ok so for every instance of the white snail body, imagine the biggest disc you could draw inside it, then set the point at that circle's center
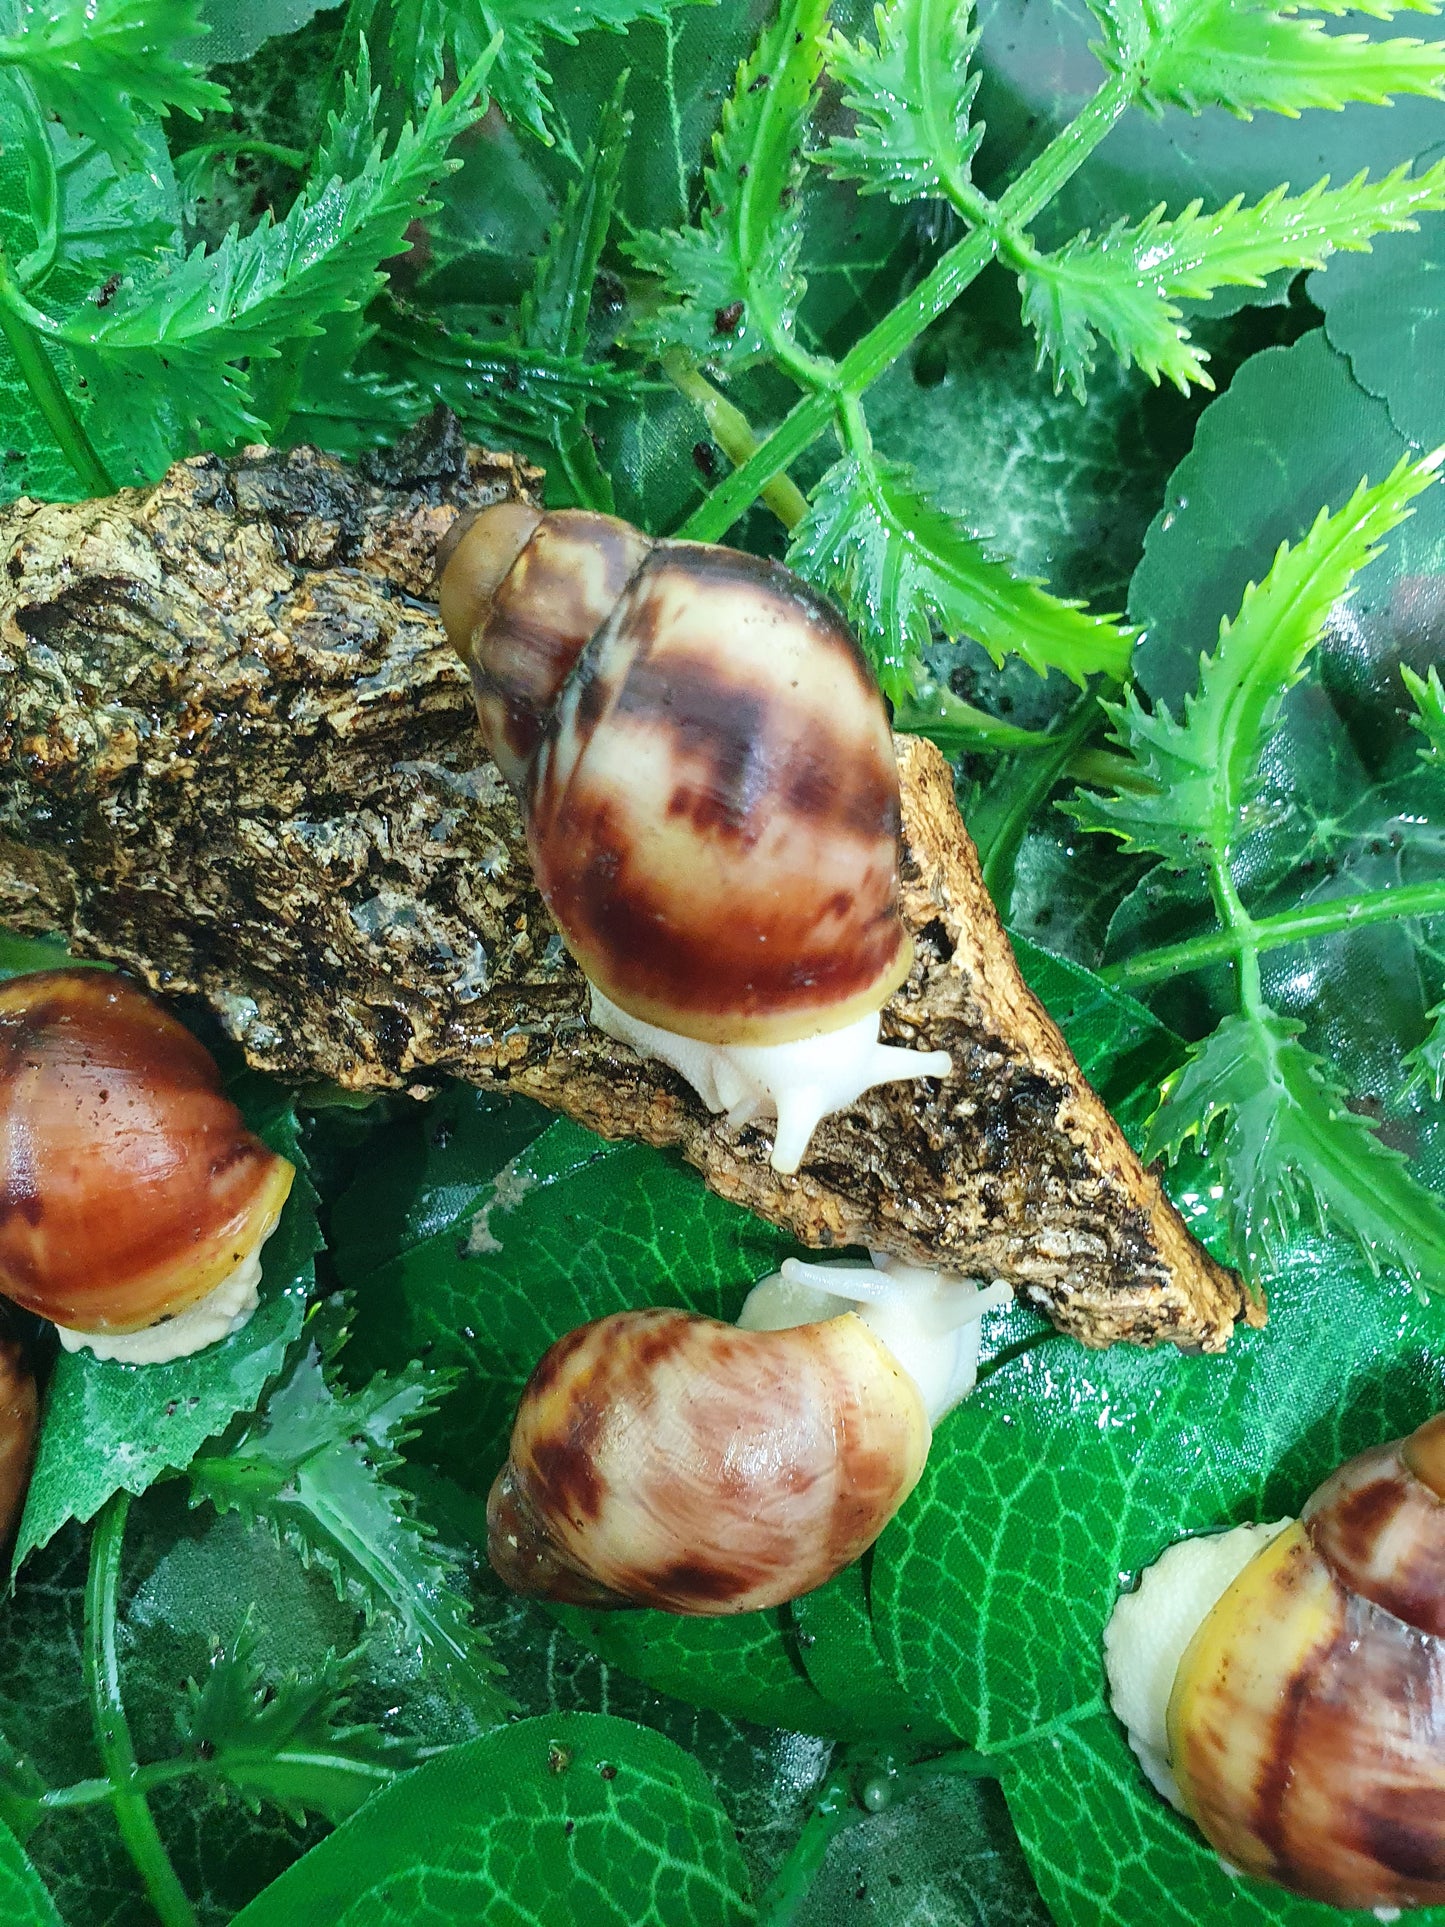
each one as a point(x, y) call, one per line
point(711, 798)
point(663, 1459)
point(1284, 1685)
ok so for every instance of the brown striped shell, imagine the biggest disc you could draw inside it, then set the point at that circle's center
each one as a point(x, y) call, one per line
point(663, 1459)
point(19, 1420)
point(1307, 1721)
point(706, 765)
point(129, 1185)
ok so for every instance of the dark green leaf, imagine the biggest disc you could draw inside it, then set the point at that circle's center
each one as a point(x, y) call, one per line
point(911, 93)
point(94, 63)
point(900, 566)
point(600, 1823)
point(313, 1464)
point(108, 1427)
point(840, 1655)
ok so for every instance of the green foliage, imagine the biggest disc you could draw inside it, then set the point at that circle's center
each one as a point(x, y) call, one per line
point(602, 1821)
point(111, 1427)
point(1263, 56)
point(167, 350)
point(23, 1896)
point(1127, 284)
point(95, 63)
point(313, 1464)
point(911, 93)
point(1197, 776)
point(1429, 718)
point(901, 567)
point(286, 1742)
point(731, 285)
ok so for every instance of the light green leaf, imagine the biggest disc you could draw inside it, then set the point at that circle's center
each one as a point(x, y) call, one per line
point(1290, 1145)
point(108, 1427)
point(1426, 1063)
point(313, 1464)
point(1429, 717)
point(94, 63)
point(286, 1741)
point(1246, 55)
point(169, 347)
point(911, 93)
point(901, 567)
point(731, 283)
point(572, 1820)
point(1198, 774)
point(1126, 285)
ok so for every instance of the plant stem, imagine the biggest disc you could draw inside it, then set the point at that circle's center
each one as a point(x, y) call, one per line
point(935, 294)
point(998, 828)
point(294, 157)
point(46, 386)
point(1290, 926)
point(734, 434)
point(112, 1731)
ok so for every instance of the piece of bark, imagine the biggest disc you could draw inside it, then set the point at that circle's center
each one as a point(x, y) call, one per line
point(239, 758)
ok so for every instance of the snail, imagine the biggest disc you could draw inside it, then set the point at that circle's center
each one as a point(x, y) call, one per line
point(1284, 1684)
point(664, 1459)
point(133, 1200)
point(711, 798)
point(19, 1419)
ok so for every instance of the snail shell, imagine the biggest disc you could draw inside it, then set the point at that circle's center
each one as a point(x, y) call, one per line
point(663, 1459)
point(132, 1196)
point(19, 1421)
point(1306, 1721)
point(710, 791)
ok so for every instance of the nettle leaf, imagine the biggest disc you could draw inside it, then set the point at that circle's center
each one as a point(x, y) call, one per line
point(287, 1741)
point(313, 1465)
point(1426, 1063)
point(602, 1823)
point(94, 63)
point(108, 1427)
point(1199, 774)
point(731, 284)
point(1429, 718)
point(1246, 55)
point(169, 347)
point(1289, 1144)
point(424, 32)
point(912, 94)
point(902, 567)
point(1126, 285)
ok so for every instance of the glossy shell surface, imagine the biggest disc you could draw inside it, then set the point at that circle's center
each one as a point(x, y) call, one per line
point(1307, 1722)
point(19, 1420)
point(708, 775)
point(681, 1463)
point(129, 1185)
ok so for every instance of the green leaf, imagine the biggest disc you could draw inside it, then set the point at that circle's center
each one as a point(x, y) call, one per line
point(168, 348)
point(573, 1817)
point(732, 284)
point(108, 1427)
point(1429, 718)
point(912, 94)
point(287, 1741)
point(1426, 1063)
point(900, 567)
point(24, 1901)
point(1289, 1145)
point(313, 1464)
point(1246, 55)
point(424, 31)
point(94, 63)
point(840, 1655)
point(1127, 284)
point(1198, 775)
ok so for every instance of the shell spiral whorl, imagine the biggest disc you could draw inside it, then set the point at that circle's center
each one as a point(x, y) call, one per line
point(711, 796)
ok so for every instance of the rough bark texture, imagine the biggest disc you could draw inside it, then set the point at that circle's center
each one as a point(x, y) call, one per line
point(239, 758)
